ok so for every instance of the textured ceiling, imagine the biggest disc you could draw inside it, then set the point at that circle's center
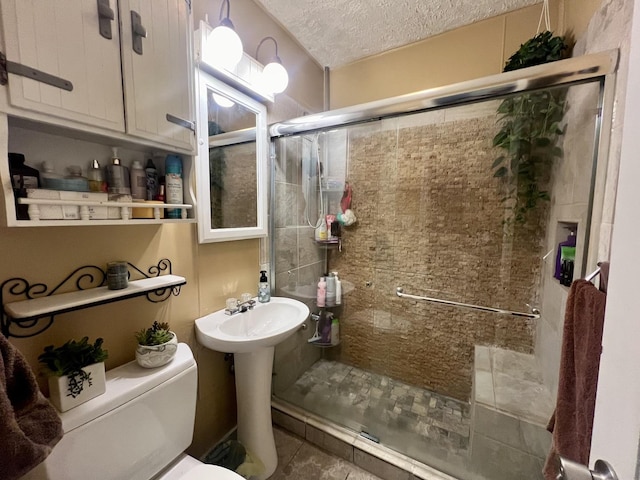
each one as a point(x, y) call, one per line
point(336, 32)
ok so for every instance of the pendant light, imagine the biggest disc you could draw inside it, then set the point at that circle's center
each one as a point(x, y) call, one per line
point(274, 76)
point(224, 47)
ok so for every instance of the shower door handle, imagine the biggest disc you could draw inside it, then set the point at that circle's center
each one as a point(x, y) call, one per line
point(570, 470)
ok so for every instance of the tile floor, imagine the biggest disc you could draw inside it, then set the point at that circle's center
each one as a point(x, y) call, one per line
point(300, 460)
point(426, 426)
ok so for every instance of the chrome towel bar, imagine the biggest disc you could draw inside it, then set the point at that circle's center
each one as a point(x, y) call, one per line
point(535, 313)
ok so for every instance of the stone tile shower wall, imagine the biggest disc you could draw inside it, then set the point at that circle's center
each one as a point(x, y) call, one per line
point(430, 220)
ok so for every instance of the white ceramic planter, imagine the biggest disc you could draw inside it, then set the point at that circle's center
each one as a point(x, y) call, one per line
point(66, 392)
point(152, 356)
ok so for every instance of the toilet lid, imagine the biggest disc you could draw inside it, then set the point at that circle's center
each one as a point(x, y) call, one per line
point(210, 472)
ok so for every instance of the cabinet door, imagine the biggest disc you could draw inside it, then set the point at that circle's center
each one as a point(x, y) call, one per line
point(62, 38)
point(158, 81)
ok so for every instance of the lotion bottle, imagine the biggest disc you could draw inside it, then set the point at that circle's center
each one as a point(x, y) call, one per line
point(338, 289)
point(322, 292)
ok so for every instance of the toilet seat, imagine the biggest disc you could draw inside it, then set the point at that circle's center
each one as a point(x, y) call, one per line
point(210, 472)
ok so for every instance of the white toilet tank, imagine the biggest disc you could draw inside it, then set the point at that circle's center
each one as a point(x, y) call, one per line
point(142, 423)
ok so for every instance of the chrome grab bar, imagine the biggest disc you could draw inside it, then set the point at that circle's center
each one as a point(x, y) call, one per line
point(535, 313)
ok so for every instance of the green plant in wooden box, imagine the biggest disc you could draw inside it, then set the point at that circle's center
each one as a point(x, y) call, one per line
point(530, 125)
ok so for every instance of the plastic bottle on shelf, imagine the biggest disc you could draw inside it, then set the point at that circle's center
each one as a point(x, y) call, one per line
point(151, 174)
point(118, 176)
point(338, 289)
point(74, 181)
point(95, 175)
point(321, 234)
point(331, 290)
point(322, 292)
point(173, 184)
point(335, 331)
point(138, 181)
point(48, 177)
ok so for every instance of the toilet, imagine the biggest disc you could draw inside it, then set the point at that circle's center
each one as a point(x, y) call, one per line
point(137, 430)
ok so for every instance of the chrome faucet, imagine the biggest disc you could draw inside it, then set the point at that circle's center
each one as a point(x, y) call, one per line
point(241, 307)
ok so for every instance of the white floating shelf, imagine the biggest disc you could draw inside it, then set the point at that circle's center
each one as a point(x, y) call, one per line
point(65, 302)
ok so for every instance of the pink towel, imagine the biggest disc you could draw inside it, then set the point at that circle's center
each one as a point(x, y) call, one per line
point(572, 421)
point(29, 425)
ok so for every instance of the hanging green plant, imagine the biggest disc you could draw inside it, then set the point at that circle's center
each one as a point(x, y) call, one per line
point(530, 125)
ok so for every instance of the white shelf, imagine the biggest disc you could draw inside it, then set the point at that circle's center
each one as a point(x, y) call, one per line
point(64, 302)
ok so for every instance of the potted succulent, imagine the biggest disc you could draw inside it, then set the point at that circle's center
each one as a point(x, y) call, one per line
point(77, 372)
point(157, 345)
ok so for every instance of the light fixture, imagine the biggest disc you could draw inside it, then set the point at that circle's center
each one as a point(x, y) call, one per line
point(222, 101)
point(274, 76)
point(224, 47)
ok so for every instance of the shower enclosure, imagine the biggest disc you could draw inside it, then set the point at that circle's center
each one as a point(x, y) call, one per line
point(440, 214)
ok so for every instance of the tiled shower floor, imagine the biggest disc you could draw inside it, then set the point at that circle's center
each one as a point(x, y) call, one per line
point(422, 424)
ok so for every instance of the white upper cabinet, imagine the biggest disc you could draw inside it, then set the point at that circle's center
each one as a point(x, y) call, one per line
point(156, 65)
point(62, 38)
point(103, 85)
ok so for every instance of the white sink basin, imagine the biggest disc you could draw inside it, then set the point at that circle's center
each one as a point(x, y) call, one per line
point(266, 325)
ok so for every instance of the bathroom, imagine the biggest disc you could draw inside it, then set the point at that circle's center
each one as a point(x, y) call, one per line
point(217, 271)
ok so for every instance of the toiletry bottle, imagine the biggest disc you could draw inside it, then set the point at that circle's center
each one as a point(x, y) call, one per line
point(569, 242)
point(322, 292)
point(173, 184)
point(335, 331)
point(95, 175)
point(49, 178)
point(325, 327)
point(75, 182)
point(331, 291)
point(151, 174)
point(118, 176)
point(138, 181)
point(338, 289)
point(321, 234)
point(264, 294)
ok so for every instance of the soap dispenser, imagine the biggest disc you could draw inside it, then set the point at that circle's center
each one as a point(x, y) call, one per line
point(264, 294)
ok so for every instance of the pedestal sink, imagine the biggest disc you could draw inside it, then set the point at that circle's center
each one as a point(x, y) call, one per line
point(252, 336)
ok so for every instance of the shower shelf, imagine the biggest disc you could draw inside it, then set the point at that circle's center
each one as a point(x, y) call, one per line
point(324, 345)
point(329, 243)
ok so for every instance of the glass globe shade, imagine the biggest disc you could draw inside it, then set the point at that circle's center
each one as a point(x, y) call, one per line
point(224, 48)
point(275, 77)
point(222, 101)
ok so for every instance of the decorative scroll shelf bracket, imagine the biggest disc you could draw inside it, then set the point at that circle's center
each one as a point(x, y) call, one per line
point(36, 313)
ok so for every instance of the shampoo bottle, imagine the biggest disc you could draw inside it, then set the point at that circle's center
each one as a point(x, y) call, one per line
point(322, 292)
point(138, 181)
point(264, 293)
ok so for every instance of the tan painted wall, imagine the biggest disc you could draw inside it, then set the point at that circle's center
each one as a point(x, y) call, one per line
point(213, 272)
point(462, 54)
point(252, 25)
